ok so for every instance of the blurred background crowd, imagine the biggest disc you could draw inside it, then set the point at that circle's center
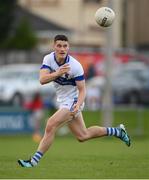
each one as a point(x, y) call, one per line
point(27, 28)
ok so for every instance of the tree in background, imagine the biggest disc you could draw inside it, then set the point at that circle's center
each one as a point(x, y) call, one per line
point(24, 36)
point(20, 37)
point(6, 18)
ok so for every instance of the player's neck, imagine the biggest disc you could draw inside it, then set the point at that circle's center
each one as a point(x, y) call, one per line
point(60, 60)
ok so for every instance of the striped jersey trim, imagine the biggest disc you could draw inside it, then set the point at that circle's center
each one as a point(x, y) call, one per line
point(64, 81)
point(79, 78)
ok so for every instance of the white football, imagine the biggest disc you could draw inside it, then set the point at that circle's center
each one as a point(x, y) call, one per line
point(104, 16)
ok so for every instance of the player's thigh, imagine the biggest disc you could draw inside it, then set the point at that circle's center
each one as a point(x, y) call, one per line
point(59, 117)
point(77, 126)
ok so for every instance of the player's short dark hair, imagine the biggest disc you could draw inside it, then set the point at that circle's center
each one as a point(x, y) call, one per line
point(60, 37)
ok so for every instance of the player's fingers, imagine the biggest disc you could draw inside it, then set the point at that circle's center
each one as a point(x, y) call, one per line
point(75, 110)
point(73, 114)
point(65, 68)
point(65, 65)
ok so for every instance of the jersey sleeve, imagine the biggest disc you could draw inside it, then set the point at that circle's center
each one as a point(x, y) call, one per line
point(46, 63)
point(79, 72)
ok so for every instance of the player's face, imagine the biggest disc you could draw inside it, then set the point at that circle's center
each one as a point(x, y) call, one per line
point(61, 49)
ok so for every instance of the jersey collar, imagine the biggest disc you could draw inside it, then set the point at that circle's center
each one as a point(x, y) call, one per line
point(66, 60)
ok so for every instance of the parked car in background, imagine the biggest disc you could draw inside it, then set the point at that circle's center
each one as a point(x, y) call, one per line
point(20, 82)
point(131, 84)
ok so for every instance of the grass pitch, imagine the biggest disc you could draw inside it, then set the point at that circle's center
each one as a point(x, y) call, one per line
point(100, 158)
point(67, 158)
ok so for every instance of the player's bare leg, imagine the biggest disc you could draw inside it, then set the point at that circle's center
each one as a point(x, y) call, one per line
point(60, 117)
point(78, 128)
point(54, 122)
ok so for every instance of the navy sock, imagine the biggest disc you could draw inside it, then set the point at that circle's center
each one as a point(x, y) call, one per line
point(36, 158)
point(112, 131)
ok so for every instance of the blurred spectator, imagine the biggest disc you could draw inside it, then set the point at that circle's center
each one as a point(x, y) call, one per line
point(36, 108)
point(93, 98)
point(90, 72)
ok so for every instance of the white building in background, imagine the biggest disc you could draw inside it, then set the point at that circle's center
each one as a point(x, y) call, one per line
point(77, 15)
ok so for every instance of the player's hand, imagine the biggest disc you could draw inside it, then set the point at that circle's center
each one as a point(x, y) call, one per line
point(63, 69)
point(76, 108)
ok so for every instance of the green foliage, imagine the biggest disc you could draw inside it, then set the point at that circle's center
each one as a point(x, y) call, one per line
point(24, 37)
point(6, 20)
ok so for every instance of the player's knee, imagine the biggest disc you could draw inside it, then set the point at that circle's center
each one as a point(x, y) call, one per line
point(50, 128)
point(82, 138)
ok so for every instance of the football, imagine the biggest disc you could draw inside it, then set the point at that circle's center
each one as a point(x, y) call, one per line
point(104, 16)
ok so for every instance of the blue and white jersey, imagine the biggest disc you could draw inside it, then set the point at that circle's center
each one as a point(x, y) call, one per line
point(65, 85)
